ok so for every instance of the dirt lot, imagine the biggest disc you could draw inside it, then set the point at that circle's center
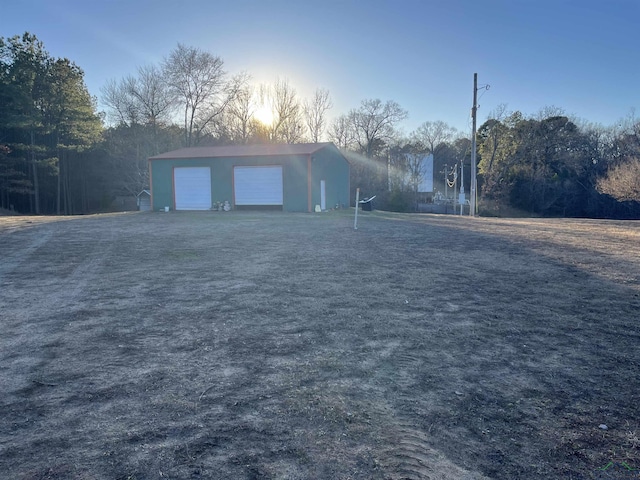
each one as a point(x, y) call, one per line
point(277, 346)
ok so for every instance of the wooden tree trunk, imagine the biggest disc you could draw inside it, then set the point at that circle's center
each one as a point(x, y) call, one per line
point(34, 167)
point(59, 186)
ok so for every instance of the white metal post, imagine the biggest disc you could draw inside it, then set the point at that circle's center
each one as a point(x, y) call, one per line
point(355, 221)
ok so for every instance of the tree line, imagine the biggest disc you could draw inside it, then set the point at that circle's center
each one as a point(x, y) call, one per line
point(59, 154)
point(48, 125)
point(555, 166)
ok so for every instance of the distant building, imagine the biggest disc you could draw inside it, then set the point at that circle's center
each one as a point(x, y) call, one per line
point(426, 181)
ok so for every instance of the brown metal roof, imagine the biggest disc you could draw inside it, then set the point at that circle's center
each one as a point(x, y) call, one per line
point(243, 151)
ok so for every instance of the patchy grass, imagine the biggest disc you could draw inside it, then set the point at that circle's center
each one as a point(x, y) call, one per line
point(269, 345)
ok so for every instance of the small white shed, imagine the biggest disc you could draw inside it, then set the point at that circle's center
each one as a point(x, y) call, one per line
point(144, 201)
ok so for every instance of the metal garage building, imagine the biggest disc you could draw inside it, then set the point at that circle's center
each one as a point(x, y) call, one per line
point(292, 178)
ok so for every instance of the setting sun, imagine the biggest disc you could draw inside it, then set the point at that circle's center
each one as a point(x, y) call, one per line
point(264, 114)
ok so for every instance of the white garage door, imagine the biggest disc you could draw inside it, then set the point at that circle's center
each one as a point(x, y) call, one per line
point(192, 188)
point(258, 185)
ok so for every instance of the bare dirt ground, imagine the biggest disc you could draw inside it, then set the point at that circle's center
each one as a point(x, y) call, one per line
point(277, 346)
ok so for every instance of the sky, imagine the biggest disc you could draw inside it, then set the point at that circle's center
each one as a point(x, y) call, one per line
point(581, 56)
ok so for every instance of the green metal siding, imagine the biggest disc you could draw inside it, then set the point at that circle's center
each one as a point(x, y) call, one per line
point(295, 184)
point(327, 164)
point(221, 180)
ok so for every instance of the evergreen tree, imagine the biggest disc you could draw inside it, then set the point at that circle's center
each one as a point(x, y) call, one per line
point(47, 121)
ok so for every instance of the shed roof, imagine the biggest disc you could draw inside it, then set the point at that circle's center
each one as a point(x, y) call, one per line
point(244, 151)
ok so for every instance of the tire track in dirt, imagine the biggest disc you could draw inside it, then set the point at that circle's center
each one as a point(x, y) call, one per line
point(85, 273)
point(67, 293)
point(57, 287)
point(35, 238)
point(412, 458)
point(410, 455)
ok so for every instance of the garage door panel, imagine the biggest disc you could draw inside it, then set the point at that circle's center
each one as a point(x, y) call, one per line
point(258, 185)
point(192, 188)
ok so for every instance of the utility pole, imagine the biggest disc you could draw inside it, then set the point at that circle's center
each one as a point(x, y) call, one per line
point(455, 186)
point(474, 180)
point(446, 194)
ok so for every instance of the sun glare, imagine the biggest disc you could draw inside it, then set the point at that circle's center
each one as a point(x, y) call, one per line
point(264, 115)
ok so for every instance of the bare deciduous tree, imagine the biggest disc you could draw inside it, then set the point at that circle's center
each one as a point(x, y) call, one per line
point(341, 133)
point(197, 78)
point(121, 104)
point(315, 113)
point(372, 127)
point(239, 121)
point(434, 134)
point(238, 118)
point(288, 122)
point(622, 182)
point(374, 124)
point(407, 169)
point(152, 94)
